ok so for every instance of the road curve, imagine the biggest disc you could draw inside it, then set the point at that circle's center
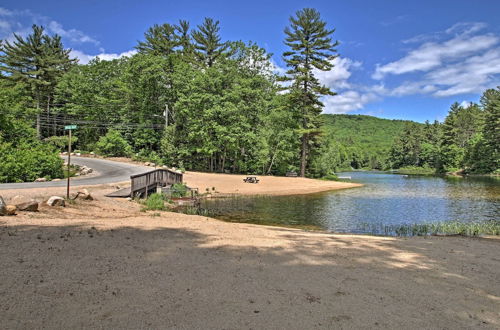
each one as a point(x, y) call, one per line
point(107, 172)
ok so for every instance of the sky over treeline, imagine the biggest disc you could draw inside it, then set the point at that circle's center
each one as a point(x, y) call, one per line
point(397, 59)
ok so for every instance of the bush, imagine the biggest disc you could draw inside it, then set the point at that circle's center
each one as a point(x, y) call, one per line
point(179, 190)
point(113, 144)
point(331, 177)
point(155, 202)
point(28, 161)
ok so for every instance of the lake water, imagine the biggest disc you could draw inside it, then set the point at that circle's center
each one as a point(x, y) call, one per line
point(384, 200)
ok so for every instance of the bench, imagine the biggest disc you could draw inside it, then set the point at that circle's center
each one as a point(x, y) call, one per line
point(292, 174)
point(251, 179)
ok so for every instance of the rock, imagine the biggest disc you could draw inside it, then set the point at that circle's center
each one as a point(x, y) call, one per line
point(64, 153)
point(19, 199)
point(3, 207)
point(129, 198)
point(77, 174)
point(56, 201)
point(41, 180)
point(85, 195)
point(10, 210)
point(31, 206)
point(56, 180)
point(147, 164)
point(92, 153)
point(78, 154)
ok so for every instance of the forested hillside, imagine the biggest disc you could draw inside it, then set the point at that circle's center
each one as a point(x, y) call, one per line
point(368, 139)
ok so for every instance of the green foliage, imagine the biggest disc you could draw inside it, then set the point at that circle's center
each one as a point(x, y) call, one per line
point(113, 144)
point(310, 48)
point(417, 170)
point(154, 202)
point(27, 161)
point(61, 142)
point(179, 190)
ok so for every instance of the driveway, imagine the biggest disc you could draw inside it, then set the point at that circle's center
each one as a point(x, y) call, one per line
point(107, 172)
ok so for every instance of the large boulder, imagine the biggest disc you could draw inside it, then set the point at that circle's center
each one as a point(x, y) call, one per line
point(56, 201)
point(85, 195)
point(18, 199)
point(3, 207)
point(41, 180)
point(23, 203)
point(10, 210)
point(31, 206)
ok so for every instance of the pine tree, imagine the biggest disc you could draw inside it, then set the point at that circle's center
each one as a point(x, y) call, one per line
point(311, 47)
point(491, 130)
point(208, 43)
point(160, 40)
point(38, 62)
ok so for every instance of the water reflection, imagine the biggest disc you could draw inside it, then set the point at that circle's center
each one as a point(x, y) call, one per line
point(386, 199)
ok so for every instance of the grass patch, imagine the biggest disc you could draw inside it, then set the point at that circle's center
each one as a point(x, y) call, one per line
point(415, 170)
point(468, 229)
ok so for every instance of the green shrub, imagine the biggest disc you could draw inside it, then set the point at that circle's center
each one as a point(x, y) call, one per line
point(179, 190)
point(29, 160)
point(155, 202)
point(331, 177)
point(113, 144)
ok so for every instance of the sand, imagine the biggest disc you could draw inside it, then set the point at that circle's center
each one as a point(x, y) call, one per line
point(104, 264)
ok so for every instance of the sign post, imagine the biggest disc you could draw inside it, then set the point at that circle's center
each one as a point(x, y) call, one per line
point(69, 128)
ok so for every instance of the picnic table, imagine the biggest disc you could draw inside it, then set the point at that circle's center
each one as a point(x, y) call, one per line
point(251, 179)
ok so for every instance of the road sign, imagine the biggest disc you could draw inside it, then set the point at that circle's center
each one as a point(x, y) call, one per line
point(70, 127)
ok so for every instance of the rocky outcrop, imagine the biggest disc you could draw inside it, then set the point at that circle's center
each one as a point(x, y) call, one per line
point(31, 206)
point(84, 195)
point(56, 201)
point(23, 203)
point(41, 180)
point(10, 210)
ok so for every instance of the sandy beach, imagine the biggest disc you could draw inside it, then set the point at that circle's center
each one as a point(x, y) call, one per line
point(105, 264)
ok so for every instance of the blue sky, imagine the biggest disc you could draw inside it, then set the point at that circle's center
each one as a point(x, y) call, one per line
point(398, 59)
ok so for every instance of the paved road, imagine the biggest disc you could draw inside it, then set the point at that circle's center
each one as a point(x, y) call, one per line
point(108, 172)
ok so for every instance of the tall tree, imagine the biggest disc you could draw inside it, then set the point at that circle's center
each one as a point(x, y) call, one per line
point(160, 40)
point(37, 61)
point(311, 47)
point(207, 42)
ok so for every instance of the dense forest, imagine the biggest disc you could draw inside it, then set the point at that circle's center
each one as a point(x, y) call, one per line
point(189, 100)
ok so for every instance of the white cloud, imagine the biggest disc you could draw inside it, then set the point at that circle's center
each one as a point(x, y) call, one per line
point(348, 101)
point(465, 104)
point(460, 62)
point(20, 22)
point(72, 34)
point(85, 58)
point(338, 77)
point(431, 55)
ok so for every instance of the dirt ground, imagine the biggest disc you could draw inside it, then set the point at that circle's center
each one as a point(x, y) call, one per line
point(104, 264)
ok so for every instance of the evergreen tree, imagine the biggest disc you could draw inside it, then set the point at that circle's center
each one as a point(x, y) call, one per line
point(160, 40)
point(37, 62)
point(207, 42)
point(491, 131)
point(311, 47)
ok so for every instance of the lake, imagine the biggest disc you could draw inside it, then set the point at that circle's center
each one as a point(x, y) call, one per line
point(384, 200)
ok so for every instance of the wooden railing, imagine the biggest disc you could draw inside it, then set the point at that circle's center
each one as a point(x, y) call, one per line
point(142, 183)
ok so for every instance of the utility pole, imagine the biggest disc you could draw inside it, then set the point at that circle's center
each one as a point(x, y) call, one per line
point(69, 128)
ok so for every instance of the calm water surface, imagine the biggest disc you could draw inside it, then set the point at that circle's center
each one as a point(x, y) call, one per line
point(386, 199)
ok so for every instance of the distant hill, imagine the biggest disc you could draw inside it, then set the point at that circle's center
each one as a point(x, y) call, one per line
point(371, 135)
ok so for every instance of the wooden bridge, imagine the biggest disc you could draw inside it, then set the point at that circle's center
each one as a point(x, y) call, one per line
point(142, 184)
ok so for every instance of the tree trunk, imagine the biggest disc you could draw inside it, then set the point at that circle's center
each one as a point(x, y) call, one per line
point(303, 158)
point(38, 119)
